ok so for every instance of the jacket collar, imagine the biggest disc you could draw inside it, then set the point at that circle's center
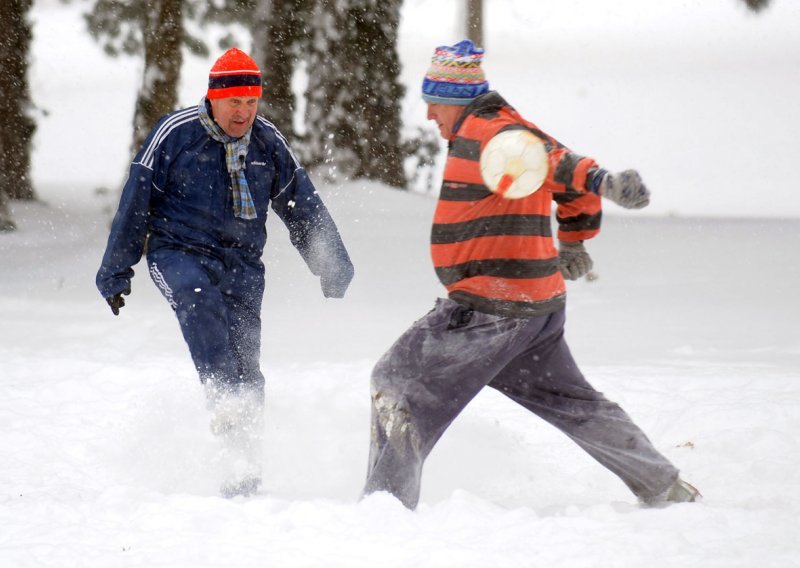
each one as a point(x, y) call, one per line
point(487, 103)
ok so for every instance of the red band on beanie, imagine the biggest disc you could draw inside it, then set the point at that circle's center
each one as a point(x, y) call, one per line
point(234, 74)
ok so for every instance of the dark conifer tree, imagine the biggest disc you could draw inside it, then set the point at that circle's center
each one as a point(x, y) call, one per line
point(280, 32)
point(16, 127)
point(155, 29)
point(354, 92)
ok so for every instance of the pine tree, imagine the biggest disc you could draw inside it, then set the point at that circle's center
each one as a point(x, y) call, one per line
point(16, 127)
point(279, 33)
point(354, 93)
point(162, 38)
point(157, 30)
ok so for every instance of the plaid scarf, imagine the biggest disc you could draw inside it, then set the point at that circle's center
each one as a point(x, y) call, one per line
point(235, 156)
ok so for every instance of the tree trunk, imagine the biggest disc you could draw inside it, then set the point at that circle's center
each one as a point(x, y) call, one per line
point(278, 30)
point(354, 93)
point(757, 5)
point(474, 23)
point(158, 94)
point(16, 126)
point(6, 220)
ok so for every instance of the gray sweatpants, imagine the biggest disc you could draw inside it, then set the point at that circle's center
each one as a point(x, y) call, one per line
point(436, 368)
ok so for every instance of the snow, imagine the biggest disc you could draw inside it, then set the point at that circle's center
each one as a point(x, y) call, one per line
point(691, 327)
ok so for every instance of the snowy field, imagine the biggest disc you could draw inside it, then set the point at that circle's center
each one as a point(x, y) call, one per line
point(692, 326)
point(108, 460)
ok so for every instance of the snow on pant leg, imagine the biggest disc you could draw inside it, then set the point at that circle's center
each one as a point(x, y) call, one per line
point(189, 283)
point(424, 381)
point(242, 288)
point(238, 408)
point(545, 380)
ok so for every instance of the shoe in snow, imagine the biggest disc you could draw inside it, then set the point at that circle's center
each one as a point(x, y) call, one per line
point(245, 487)
point(237, 420)
point(682, 492)
point(679, 492)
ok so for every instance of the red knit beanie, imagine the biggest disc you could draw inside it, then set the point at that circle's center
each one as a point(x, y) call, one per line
point(234, 74)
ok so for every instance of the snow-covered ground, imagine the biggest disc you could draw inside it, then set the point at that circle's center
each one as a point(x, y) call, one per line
point(108, 460)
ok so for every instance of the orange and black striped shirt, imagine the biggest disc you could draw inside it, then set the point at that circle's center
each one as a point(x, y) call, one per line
point(497, 255)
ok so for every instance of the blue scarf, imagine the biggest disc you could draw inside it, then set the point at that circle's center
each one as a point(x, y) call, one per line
point(235, 157)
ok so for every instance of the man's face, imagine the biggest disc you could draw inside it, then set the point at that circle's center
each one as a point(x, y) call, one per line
point(445, 117)
point(235, 114)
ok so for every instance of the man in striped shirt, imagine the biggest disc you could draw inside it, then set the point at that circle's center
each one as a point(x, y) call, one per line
point(502, 324)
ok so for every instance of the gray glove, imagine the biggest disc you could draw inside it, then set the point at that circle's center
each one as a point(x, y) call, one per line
point(335, 285)
point(573, 260)
point(625, 189)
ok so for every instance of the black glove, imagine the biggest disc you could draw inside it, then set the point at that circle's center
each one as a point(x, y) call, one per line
point(625, 189)
point(335, 285)
point(573, 260)
point(117, 301)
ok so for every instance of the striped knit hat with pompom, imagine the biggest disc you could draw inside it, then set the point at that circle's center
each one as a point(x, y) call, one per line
point(455, 76)
point(234, 74)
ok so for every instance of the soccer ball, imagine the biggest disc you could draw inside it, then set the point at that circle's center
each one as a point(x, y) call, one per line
point(514, 164)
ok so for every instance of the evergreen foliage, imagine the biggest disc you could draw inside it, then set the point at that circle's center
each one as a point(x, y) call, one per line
point(157, 30)
point(17, 126)
point(280, 33)
point(349, 48)
point(354, 92)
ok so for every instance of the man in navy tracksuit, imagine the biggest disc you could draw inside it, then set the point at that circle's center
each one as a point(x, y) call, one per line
point(198, 192)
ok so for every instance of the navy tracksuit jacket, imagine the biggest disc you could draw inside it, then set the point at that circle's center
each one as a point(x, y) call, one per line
point(207, 262)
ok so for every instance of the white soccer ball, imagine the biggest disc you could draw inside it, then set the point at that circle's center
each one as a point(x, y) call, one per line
point(514, 164)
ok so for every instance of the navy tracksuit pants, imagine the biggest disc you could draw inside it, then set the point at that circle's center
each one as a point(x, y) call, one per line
point(438, 366)
point(218, 304)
